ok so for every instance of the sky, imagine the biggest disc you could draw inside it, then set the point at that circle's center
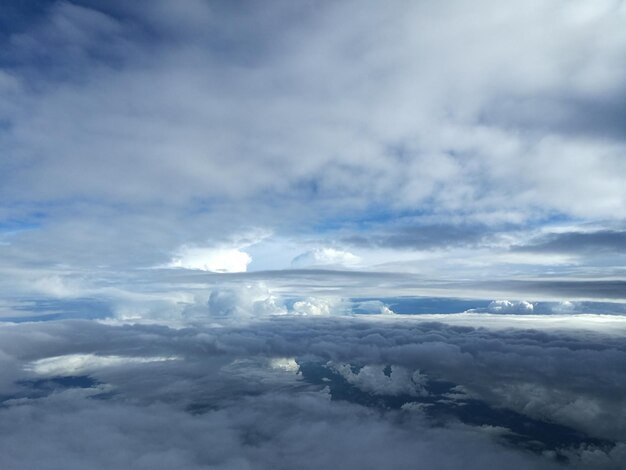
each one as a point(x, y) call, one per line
point(302, 234)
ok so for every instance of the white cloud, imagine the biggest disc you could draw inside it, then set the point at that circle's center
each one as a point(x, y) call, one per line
point(56, 286)
point(507, 306)
point(74, 364)
point(287, 364)
point(325, 257)
point(224, 260)
point(372, 306)
point(320, 306)
point(604, 324)
point(242, 301)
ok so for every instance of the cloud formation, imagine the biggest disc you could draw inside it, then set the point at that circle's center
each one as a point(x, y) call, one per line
point(506, 306)
point(232, 396)
point(325, 257)
point(167, 128)
point(222, 260)
point(140, 136)
point(601, 241)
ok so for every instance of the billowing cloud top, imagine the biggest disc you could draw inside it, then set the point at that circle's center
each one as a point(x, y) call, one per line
point(211, 259)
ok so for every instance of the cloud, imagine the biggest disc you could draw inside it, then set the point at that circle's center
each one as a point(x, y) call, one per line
point(371, 306)
point(246, 385)
point(265, 432)
point(225, 260)
point(578, 243)
point(507, 306)
point(325, 257)
point(75, 364)
point(425, 237)
point(142, 78)
point(587, 289)
point(175, 138)
point(380, 381)
point(321, 306)
point(243, 301)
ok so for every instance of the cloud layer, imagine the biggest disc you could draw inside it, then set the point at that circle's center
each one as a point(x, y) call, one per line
point(248, 397)
point(128, 133)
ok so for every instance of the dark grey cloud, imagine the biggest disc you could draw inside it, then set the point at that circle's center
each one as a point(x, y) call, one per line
point(356, 280)
point(599, 117)
point(568, 289)
point(584, 243)
point(425, 237)
point(17, 16)
point(267, 432)
point(232, 394)
point(558, 308)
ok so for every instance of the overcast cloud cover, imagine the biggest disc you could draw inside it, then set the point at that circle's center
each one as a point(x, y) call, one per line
point(312, 234)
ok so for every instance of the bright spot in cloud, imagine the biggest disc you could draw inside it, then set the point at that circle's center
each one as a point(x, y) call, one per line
point(314, 306)
point(506, 306)
point(79, 363)
point(223, 260)
point(287, 364)
point(325, 257)
point(372, 307)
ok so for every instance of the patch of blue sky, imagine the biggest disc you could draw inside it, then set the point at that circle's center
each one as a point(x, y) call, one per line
point(19, 15)
point(31, 318)
point(409, 305)
point(13, 214)
point(59, 309)
point(549, 218)
point(5, 124)
point(382, 215)
point(15, 226)
point(11, 228)
point(374, 216)
point(427, 305)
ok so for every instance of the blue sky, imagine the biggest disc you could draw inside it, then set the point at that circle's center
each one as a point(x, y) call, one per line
point(312, 234)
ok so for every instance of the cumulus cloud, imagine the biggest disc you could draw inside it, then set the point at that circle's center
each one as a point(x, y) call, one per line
point(249, 300)
point(371, 306)
point(338, 306)
point(325, 257)
point(507, 306)
point(224, 260)
point(320, 306)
